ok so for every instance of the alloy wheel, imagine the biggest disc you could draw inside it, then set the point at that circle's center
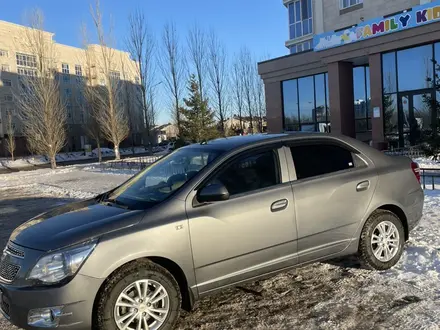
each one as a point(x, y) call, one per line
point(142, 305)
point(385, 241)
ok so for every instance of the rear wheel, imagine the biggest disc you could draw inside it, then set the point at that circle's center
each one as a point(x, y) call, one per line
point(382, 241)
point(139, 296)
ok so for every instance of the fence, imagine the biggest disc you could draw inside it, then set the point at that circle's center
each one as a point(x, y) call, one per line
point(412, 152)
point(430, 178)
point(134, 164)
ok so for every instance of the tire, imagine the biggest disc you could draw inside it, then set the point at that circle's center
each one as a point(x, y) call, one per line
point(367, 257)
point(106, 311)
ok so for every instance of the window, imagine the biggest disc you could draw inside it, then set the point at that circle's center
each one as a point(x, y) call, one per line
point(301, 47)
point(305, 104)
point(249, 173)
point(8, 98)
point(78, 70)
point(414, 68)
point(67, 92)
point(313, 160)
point(7, 82)
point(116, 75)
point(350, 3)
point(29, 61)
point(26, 72)
point(300, 18)
point(5, 68)
point(362, 98)
point(65, 68)
point(3, 53)
point(66, 78)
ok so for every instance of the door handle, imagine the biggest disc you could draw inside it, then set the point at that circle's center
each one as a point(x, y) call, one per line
point(362, 186)
point(279, 205)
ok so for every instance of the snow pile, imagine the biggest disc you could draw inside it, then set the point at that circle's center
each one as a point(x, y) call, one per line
point(427, 163)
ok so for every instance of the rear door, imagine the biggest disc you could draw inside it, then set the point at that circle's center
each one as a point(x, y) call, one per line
point(333, 185)
point(252, 233)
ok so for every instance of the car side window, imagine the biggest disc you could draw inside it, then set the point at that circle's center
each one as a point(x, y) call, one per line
point(249, 172)
point(312, 160)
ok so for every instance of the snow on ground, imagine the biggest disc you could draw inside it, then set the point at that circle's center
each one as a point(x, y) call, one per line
point(64, 157)
point(69, 181)
point(331, 295)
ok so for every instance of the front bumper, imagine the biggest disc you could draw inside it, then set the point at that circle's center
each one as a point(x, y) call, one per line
point(76, 298)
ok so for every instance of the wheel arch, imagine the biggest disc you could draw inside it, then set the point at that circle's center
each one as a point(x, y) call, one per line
point(398, 211)
point(175, 270)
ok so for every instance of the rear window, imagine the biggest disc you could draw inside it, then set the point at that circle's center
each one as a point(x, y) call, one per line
point(318, 159)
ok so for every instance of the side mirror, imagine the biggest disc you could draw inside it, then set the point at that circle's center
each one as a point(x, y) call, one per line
point(213, 193)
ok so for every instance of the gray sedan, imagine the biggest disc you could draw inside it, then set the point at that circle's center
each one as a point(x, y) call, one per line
point(203, 218)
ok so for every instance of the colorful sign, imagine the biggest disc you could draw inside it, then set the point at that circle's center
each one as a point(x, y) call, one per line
point(417, 16)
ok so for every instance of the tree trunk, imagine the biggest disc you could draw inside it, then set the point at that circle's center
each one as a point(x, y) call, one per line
point(53, 162)
point(117, 153)
point(12, 156)
point(98, 144)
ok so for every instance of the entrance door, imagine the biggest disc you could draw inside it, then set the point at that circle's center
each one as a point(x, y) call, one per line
point(415, 116)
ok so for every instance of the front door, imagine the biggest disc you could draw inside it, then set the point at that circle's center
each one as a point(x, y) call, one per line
point(415, 116)
point(251, 234)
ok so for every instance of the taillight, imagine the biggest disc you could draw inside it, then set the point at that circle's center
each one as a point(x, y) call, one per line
point(416, 170)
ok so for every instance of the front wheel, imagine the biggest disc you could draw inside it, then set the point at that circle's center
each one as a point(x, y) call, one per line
point(140, 296)
point(382, 241)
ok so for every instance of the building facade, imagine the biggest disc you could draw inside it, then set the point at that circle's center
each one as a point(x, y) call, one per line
point(16, 62)
point(370, 70)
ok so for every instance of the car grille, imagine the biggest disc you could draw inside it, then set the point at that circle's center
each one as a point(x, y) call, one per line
point(14, 251)
point(8, 271)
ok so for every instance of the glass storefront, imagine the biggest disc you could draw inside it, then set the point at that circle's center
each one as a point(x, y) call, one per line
point(362, 99)
point(306, 105)
point(410, 85)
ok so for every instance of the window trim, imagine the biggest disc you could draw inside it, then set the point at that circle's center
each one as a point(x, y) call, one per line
point(277, 148)
point(341, 4)
point(291, 164)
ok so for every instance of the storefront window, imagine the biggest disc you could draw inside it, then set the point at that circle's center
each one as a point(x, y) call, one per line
point(306, 100)
point(414, 68)
point(389, 72)
point(305, 103)
point(411, 105)
point(290, 105)
point(361, 87)
point(320, 109)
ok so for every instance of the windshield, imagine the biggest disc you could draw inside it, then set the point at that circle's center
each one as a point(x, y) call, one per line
point(163, 178)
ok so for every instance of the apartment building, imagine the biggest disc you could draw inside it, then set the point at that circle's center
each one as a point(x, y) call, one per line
point(16, 61)
point(364, 68)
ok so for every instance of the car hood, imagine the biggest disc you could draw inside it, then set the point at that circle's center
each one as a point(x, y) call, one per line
point(73, 223)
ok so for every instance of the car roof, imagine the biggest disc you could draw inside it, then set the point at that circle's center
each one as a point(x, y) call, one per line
point(234, 142)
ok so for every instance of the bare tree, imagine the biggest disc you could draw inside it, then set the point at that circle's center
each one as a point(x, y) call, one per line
point(171, 62)
point(238, 92)
point(141, 44)
point(111, 117)
point(92, 104)
point(127, 100)
point(40, 107)
point(197, 55)
point(218, 77)
point(259, 100)
point(246, 65)
point(10, 140)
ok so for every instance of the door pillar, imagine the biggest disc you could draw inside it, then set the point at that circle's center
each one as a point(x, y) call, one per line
point(376, 102)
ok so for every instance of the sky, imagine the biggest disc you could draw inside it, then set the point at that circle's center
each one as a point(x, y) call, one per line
point(261, 25)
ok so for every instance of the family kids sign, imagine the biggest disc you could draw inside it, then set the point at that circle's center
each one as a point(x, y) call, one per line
point(414, 17)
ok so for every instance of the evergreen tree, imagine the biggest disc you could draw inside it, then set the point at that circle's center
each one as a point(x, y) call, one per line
point(198, 120)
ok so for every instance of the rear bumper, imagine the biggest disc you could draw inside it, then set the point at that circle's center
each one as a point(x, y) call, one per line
point(76, 299)
point(415, 209)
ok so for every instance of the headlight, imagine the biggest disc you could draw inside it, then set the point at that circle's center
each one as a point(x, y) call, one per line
point(57, 266)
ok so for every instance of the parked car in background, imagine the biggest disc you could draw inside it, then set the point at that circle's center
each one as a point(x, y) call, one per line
point(203, 218)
